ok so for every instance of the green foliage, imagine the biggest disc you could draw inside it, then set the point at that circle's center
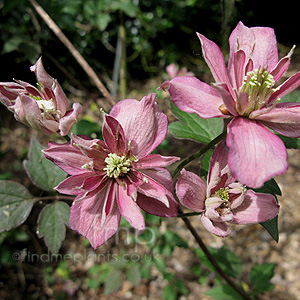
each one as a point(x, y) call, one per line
point(15, 204)
point(260, 278)
point(271, 187)
point(88, 128)
point(51, 224)
point(42, 172)
point(191, 126)
point(228, 261)
point(224, 292)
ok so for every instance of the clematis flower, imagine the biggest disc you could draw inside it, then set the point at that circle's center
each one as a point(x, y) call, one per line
point(173, 71)
point(223, 201)
point(247, 95)
point(118, 176)
point(45, 108)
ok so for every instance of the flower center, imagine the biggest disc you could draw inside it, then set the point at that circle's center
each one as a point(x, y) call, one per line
point(258, 84)
point(223, 195)
point(47, 107)
point(116, 165)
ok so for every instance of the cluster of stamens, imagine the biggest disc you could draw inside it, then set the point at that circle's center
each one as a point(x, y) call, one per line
point(258, 84)
point(116, 165)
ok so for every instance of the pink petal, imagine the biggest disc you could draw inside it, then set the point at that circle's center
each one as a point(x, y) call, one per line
point(154, 161)
point(256, 154)
point(281, 66)
point(72, 185)
point(157, 204)
point(113, 135)
point(42, 76)
point(215, 60)
point(285, 88)
point(256, 208)
point(9, 91)
point(88, 216)
point(193, 96)
point(129, 209)
point(226, 97)
point(191, 191)
point(145, 126)
point(68, 158)
point(237, 75)
point(284, 119)
point(217, 228)
point(69, 119)
point(60, 98)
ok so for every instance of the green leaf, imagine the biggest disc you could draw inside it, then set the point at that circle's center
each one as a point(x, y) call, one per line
point(224, 292)
point(102, 21)
point(191, 126)
point(271, 187)
point(42, 172)
point(113, 281)
point(228, 261)
point(51, 224)
point(260, 278)
point(15, 204)
point(160, 264)
point(272, 227)
point(291, 97)
point(85, 127)
point(169, 293)
point(134, 274)
point(290, 143)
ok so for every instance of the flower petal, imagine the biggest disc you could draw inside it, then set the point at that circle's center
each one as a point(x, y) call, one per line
point(129, 209)
point(256, 154)
point(215, 60)
point(88, 216)
point(154, 161)
point(68, 158)
point(191, 191)
point(144, 124)
point(284, 119)
point(193, 96)
point(256, 208)
point(217, 228)
point(113, 135)
point(69, 119)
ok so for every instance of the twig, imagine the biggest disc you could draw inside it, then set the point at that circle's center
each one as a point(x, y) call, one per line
point(83, 63)
point(212, 260)
point(54, 198)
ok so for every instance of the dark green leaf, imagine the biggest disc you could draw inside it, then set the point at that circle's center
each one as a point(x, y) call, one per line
point(272, 227)
point(15, 204)
point(191, 126)
point(42, 172)
point(224, 292)
point(269, 187)
point(260, 278)
point(51, 224)
point(290, 143)
point(291, 97)
point(85, 127)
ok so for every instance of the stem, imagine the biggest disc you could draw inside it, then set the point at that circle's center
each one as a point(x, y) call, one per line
point(199, 153)
point(212, 260)
point(54, 198)
point(123, 66)
point(83, 63)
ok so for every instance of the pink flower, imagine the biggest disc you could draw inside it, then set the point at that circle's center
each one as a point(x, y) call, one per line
point(248, 96)
point(173, 71)
point(224, 201)
point(44, 108)
point(119, 175)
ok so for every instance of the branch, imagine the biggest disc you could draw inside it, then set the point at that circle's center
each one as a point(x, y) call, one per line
point(83, 63)
point(212, 260)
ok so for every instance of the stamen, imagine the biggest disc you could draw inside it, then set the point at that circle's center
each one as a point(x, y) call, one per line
point(116, 165)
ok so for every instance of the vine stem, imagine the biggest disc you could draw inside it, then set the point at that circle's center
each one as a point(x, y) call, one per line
point(76, 54)
point(190, 227)
point(56, 198)
point(197, 154)
point(212, 260)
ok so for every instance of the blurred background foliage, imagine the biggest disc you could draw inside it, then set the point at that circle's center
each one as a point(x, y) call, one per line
point(158, 32)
